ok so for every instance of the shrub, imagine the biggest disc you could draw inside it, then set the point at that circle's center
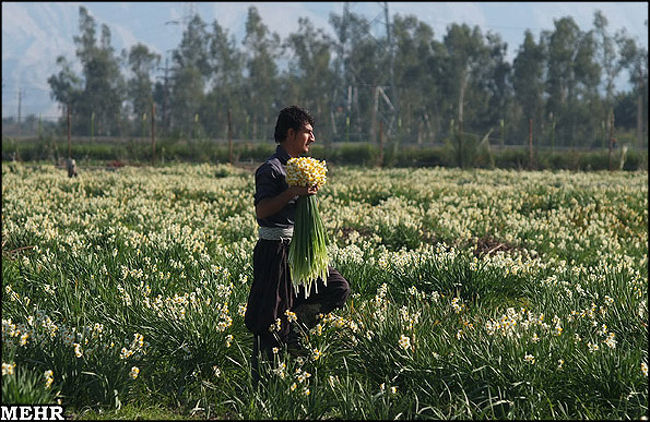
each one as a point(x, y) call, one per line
point(395, 154)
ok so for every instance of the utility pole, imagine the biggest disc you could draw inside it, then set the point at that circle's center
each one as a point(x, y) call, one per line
point(69, 133)
point(385, 88)
point(153, 133)
point(229, 137)
point(189, 9)
point(611, 140)
point(530, 143)
point(165, 89)
point(20, 96)
point(165, 96)
point(391, 70)
point(460, 141)
point(381, 144)
point(70, 164)
point(190, 12)
point(373, 115)
point(348, 101)
point(343, 93)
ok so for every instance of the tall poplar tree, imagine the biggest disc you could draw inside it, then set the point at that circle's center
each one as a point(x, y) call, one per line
point(100, 104)
point(528, 83)
point(262, 48)
point(572, 78)
point(66, 86)
point(189, 73)
point(417, 76)
point(635, 59)
point(142, 63)
point(465, 57)
point(226, 63)
point(311, 71)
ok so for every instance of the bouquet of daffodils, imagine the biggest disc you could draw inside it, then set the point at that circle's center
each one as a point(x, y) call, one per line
point(308, 248)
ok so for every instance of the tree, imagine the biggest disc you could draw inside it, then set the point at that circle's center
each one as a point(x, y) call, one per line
point(262, 49)
point(586, 110)
point(528, 82)
point(140, 87)
point(607, 54)
point(309, 66)
point(625, 110)
point(635, 60)
point(465, 54)
point(360, 57)
point(226, 64)
point(417, 72)
point(493, 84)
point(101, 101)
point(573, 79)
point(189, 74)
point(562, 46)
point(342, 90)
point(66, 86)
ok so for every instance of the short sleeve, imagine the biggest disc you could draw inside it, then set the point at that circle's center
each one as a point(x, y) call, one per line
point(267, 183)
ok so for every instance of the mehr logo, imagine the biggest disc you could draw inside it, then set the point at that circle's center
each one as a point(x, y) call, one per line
point(32, 413)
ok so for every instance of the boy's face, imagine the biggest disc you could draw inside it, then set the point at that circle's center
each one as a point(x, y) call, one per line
point(298, 142)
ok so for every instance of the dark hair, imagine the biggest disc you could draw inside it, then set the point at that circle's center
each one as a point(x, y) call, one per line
point(292, 117)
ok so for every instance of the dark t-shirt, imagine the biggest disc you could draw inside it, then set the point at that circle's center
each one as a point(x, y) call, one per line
point(270, 181)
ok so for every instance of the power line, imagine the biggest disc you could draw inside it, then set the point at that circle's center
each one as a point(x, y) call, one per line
point(20, 97)
point(25, 88)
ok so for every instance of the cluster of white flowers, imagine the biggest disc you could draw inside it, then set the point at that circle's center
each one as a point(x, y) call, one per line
point(8, 368)
point(136, 348)
point(49, 378)
point(384, 390)
point(408, 319)
point(456, 306)
point(135, 371)
point(405, 342)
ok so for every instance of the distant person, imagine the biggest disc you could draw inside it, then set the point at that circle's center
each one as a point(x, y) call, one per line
point(272, 292)
point(71, 164)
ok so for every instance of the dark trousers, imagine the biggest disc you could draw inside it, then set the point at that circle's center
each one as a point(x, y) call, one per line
point(272, 293)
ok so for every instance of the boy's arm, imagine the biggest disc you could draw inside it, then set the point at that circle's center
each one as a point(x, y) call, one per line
point(270, 206)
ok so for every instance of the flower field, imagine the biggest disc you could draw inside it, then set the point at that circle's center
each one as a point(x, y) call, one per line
point(477, 294)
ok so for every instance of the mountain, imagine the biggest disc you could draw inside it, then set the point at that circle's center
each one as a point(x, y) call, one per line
point(34, 34)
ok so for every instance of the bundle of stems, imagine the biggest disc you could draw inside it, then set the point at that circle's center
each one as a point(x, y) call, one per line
point(308, 250)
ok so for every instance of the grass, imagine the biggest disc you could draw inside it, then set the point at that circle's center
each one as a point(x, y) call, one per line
point(477, 294)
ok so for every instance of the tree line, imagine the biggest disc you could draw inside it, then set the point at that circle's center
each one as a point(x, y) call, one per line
point(405, 86)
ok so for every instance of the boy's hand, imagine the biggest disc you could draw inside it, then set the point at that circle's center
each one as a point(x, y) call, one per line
point(303, 190)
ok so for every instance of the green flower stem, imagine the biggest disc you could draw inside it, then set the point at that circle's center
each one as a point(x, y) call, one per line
point(308, 250)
